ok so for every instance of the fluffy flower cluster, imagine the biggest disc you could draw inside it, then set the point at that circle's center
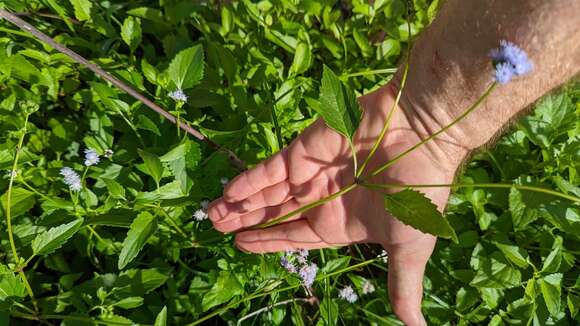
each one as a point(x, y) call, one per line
point(297, 262)
point(201, 214)
point(510, 61)
point(383, 256)
point(178, 95)
point(348, 294)
point(108, 153)
point(91, 157)
point(368, 287)
point(71, 178)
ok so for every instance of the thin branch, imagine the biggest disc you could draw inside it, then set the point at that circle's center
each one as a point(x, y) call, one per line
point(108, 77)
point(271, 306)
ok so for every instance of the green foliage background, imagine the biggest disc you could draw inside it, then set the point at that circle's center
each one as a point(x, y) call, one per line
point(128, 246)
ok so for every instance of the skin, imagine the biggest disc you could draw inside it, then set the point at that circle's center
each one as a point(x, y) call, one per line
point(450, 69)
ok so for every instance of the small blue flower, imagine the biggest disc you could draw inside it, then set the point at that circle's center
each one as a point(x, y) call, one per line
point(71, 178)
point(287, 264)
point(91, 157)
point(348, 294)
point(178, 95)
point(308, 274)
point(510, 61)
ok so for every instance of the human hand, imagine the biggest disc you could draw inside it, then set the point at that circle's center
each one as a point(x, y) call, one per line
point(319, 163)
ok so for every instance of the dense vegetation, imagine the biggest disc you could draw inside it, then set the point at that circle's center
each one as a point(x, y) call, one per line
point(133, 245)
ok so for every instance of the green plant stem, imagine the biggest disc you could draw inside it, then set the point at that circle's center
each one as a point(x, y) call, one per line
point(442, 130)
point(476, 185)
point(67, 317)
point(387, 122)
point(9, 215)
point(371, 72)
point(306, 207)
point(291, 287)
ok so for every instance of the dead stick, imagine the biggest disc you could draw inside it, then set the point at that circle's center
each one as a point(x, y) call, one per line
point(107, 76)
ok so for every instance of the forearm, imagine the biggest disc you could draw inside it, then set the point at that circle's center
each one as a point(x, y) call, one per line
point(450, 66)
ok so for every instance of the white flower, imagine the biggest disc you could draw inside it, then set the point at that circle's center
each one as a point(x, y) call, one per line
point(12, 173)
point(71, 178)
point(368, 287)
point(200, 215)
point(91, 157)
point(383, 256)
point(178, 95)
point(348, 294)
point(224, 181)
point(108, 153)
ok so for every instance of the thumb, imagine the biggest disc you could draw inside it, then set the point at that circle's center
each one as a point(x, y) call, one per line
point(406, 270)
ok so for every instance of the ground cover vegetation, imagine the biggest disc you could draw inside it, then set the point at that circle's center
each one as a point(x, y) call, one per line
point(104, 201)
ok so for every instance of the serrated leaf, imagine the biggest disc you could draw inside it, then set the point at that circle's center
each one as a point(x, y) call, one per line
point(226, 287)
point(141, 229)
point(153, 165)
point(515, 254)
point(414, 209)
point(338, 105)
point(554, 259)
point(21, 201)
point(186, 69)
point(131, 32)
point(82, 9)
point(551, 287)
point(54, 238)
point(116, 190)
point(161, 319)
point(11, 285)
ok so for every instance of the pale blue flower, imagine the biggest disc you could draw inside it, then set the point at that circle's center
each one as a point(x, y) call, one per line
point(308, 274)
point(503, 73)
point(348, 294)
point(91, 157)
point(287, 264)
point(71, 179)
point(510, 61)
point(178, 95)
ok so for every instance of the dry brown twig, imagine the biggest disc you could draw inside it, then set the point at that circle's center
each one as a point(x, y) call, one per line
point(23, 25)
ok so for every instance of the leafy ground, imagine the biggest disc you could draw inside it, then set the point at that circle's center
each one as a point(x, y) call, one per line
point(132, 247)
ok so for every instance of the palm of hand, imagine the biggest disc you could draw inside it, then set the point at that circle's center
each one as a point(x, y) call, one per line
point(319, 163)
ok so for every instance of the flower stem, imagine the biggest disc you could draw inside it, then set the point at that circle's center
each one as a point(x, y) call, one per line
point(476, 185)
point(442, 130)
point(306, 207)
point(371, 72)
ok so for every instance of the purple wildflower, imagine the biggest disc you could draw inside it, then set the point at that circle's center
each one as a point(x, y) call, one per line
point(308, 274)
point(348, 294)
point(178, 95)
point(510, 61)
point(91, 157)
point(71, 178)
point(287, 264)
point(302, 256)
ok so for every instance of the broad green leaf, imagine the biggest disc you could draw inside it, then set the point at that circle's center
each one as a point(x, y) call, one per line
point(153, 165)
point(225, 288)
point(302, 58)
point(11, 285)
point(186, 69)
point(521, 216)
point(82, 9)
point(414, 209)
point(335, 264)
point(141, 229)
point(129, 303)
point(328, 312)
point(551, 287)
point(21, 201)
point(338, 105)
point(131, 32)
point(495, 272)
point(554, 259)
point(54, 238)
point(116, 190)
point(514, 254)
point(151, 14)
point(161, 319)
point(573, 302)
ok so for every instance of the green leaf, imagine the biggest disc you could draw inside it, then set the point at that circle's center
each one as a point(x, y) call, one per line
point(495, 272)
point(161, 319)
point(141, 229)
point(129, 303)
point(82, 9)
point(21, 201)
point(338, 105)
point(554, 259)
point(153, 165)
point(328, 311)
point(514, 254)
point(116, 190)
point(414, 209)
point(551, 287)
point(186, 69)
point(573, 304)
point(226, 287)
point(54, 238)
point(131, 32)
point(11, 285)
point(302, 58)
